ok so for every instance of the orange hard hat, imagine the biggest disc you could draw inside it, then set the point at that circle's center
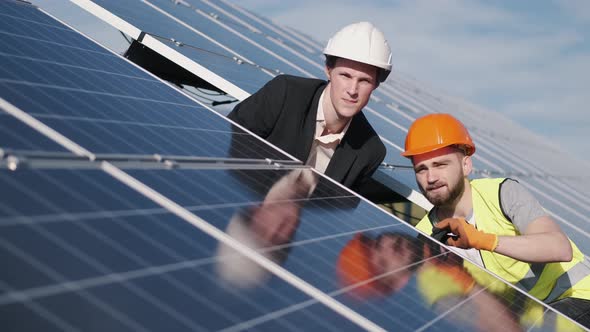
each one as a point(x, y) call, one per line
point(434, 131)
point(354, 267)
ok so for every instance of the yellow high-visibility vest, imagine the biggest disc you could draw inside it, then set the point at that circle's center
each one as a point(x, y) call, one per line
point(546, 281)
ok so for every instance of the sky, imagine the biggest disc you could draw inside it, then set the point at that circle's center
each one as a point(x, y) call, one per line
point(529, 60)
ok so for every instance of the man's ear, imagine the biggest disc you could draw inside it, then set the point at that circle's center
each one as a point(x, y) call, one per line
point(328, 72)
point(467, 165)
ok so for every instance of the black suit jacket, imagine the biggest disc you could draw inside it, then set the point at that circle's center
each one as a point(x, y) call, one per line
point(284, 113)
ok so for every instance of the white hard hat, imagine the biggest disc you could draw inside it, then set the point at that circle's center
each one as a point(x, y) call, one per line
point(362, 42)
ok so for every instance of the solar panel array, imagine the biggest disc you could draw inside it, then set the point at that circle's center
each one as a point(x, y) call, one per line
point(504, 149)
point(130, 206)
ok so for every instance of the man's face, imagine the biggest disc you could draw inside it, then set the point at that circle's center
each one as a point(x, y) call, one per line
point(351, 84)
point(440, 175)
point(391, 255)
point(275, 223)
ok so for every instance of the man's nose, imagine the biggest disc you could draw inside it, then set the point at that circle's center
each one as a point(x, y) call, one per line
point(431, 176)
point(353, 88)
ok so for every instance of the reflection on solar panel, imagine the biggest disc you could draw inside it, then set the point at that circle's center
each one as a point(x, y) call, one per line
point(95, 255)
point(87, 252)
point(220, 237)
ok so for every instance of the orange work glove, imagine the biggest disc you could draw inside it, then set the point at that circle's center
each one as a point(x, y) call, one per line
point(467, 236)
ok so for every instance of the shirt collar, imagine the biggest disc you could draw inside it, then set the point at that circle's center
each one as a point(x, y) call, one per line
point(320, 118)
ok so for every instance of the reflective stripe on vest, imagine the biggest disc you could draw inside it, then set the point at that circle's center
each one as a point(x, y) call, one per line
point(569, 279)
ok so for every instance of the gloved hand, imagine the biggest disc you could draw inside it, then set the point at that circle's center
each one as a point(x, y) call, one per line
point(467, 236)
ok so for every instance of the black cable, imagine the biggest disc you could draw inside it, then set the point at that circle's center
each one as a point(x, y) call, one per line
point(232, 58)
point(222, 102)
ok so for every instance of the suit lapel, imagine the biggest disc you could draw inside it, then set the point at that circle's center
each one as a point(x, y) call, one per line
point(341, 161)
point(345, 154)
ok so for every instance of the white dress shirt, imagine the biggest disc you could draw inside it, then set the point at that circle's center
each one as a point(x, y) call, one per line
point(324, 144)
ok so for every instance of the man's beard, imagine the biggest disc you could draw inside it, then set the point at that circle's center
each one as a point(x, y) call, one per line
point(447, 198)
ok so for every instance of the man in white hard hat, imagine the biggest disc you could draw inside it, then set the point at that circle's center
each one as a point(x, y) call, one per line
point(320, 122)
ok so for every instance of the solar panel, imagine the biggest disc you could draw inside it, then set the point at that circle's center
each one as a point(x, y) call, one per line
point(93, 253)
point(326, 224)
point(180, 42)
point(263, 51)
point(393, 135)
point(95, 98)
point(141, 245)
point(17, 136)
point(265, 27)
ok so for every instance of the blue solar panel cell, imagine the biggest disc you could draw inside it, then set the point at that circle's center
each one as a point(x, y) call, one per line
point(23, 11)
point(407, 177)
point(15, 135)
point(388, 127)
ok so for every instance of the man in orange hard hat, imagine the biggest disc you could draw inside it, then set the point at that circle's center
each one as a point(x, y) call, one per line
point(320, 122)
point(495, 222)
